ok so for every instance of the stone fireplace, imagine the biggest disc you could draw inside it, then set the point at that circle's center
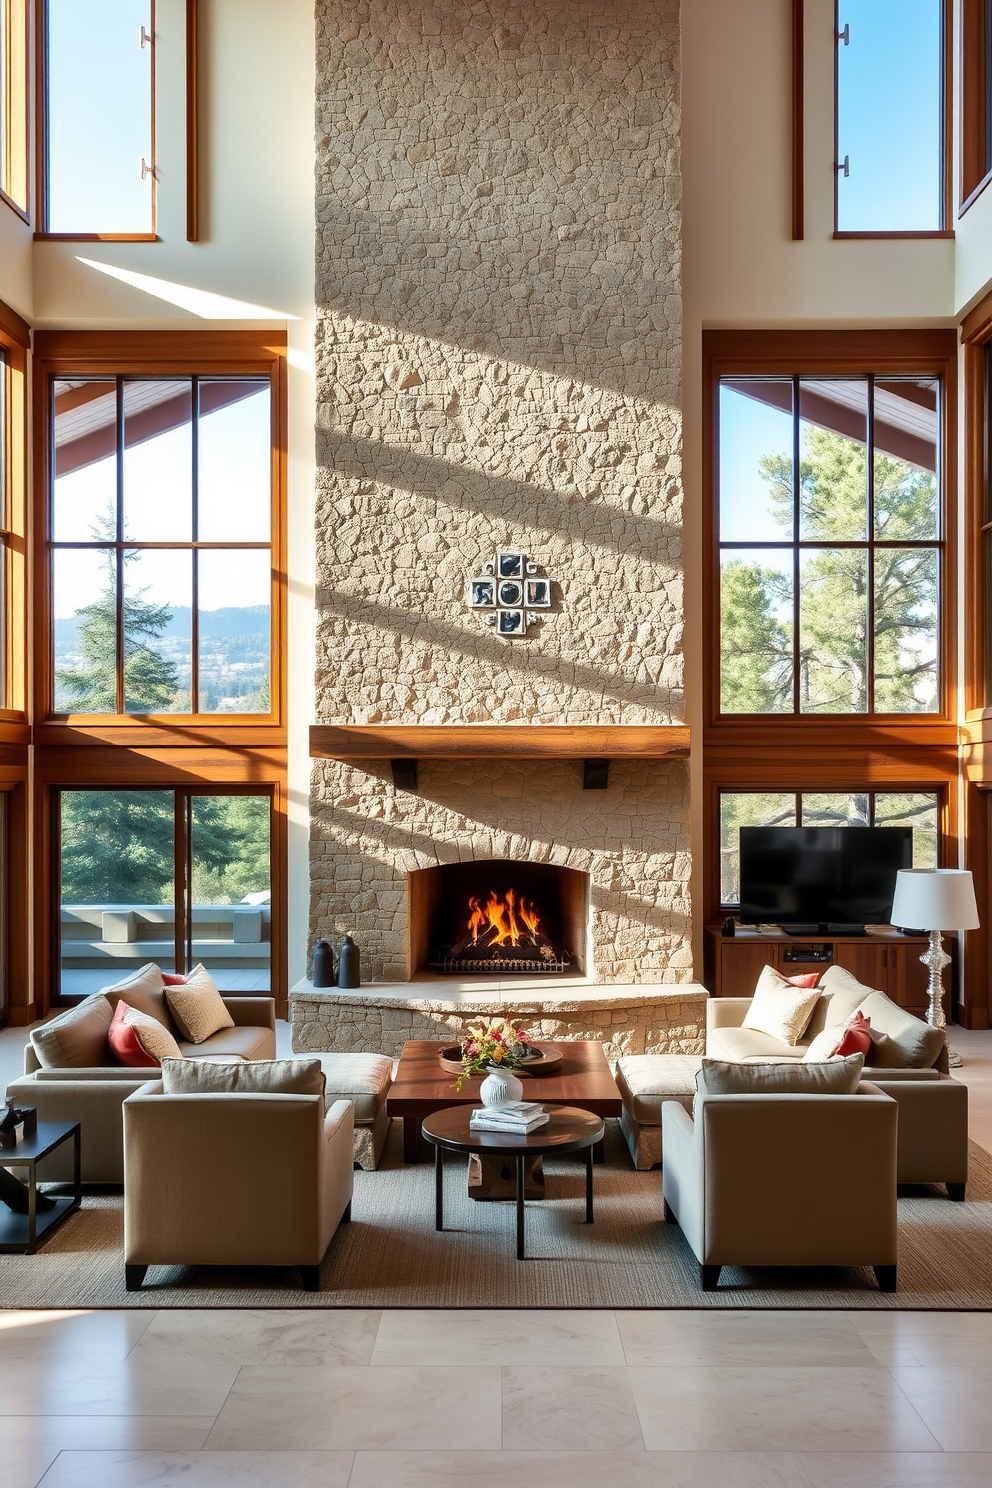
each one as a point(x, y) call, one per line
point(498, 368)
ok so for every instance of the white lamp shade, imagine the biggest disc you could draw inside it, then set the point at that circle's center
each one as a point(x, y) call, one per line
point(935, 899)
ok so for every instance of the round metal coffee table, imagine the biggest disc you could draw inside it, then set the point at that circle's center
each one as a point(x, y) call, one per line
point(569, 1130)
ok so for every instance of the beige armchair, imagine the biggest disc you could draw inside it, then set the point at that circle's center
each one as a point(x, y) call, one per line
point(234, 1180)
point(784, 1180)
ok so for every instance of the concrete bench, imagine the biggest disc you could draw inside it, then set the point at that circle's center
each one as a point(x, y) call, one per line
point(644, 1081)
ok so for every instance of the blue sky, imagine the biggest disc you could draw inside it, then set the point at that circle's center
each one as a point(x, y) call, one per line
point(889, 115)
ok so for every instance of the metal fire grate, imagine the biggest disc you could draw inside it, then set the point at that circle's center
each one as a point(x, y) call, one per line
point(493, 965)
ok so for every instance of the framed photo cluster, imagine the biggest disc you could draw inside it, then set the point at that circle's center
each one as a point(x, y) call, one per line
point(508, 592)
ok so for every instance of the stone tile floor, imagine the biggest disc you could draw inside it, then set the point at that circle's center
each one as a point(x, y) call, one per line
point(433, 1399)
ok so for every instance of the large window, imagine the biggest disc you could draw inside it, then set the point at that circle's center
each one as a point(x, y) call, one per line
point(917, 809)
point(99, 91)
point(171, 876)
point(161, 545)
point(830, 544)
point(14, 103)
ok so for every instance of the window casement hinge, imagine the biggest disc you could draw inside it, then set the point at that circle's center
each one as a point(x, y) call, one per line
point(844, 36)
point(844, 166)
point(148, 170)
point(146, 38)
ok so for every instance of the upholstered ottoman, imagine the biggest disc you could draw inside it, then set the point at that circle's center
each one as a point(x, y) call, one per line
point(644, 1081)
point(363, 1079)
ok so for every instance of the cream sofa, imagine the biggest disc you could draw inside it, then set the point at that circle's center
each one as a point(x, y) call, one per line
point(234, 1179)
point(784, 1180)
point(93, 1093)
point(933, 1107)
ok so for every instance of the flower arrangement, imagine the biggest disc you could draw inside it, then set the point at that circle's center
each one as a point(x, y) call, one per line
point(493, 1044)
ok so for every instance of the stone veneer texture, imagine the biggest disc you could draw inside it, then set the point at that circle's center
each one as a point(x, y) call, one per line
point(498, 364)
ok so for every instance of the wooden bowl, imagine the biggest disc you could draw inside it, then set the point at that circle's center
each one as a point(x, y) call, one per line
point(547, 1060)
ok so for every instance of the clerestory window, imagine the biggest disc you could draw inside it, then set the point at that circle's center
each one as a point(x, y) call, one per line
point(830, 538)
point(99, 105)
point(890, 120)
point(14, 103)
point(976, 98)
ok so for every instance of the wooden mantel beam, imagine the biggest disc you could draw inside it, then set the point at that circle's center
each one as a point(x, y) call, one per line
point(355, 741)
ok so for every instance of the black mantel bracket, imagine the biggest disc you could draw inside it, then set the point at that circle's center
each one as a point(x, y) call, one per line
point(595, 774)
point(404, 774)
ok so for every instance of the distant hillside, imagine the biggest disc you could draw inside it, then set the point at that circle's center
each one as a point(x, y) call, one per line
point(234, 621)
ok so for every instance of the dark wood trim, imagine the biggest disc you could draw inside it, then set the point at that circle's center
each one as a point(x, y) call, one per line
point(973, 1009)
point(798, 121)
point(21, 212)
point(975, 174)
point(51, 237)
point(17, 899)
point(977, 324)
point(496, 741)
point(115, 765)
point(13, 327)
point(974, 476)
point(192, 122)
point(15, 96)
point(14, 539)
point(935, 232)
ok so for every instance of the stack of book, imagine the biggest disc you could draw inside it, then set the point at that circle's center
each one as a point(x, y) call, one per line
point(514, 1117)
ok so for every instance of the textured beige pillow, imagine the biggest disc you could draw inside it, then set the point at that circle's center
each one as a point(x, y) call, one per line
point(144, 990)
point(245, 1077)
point(783, 1077)
point(156, 1041)
point(911, 1043)
point(197, 1006)
point(779, 1009)
point(76, 1039)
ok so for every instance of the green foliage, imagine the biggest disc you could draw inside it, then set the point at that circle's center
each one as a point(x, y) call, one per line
point(230, 848)
point(150, 681)
point(834, 590)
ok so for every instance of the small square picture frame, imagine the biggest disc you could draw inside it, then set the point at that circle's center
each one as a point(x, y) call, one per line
point(511, 623)
point(537, 594)
point(481, 594)
point(510, 565)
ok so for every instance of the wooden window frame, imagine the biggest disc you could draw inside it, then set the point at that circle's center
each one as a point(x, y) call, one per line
point(14, 341)
point(976, 337)
point(161, 353)
point(197, 771)
point(15, 99)
point(975, 104)
point(41, 138)
point(947, 141)
point(812, 354)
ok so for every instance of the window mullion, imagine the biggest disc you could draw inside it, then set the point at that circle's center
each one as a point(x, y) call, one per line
point(870, 552)
point(119, 552)
point(194, 661)
point(796, 653)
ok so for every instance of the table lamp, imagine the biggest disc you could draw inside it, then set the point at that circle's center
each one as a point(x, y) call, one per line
point(935, 899)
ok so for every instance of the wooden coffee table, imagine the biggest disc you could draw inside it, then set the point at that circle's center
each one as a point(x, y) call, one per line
point(569, 1130)
point(421, 1087)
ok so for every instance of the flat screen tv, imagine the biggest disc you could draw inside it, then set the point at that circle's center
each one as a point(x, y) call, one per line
point(821, 877)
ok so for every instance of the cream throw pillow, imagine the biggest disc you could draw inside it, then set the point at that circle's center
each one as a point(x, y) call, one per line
point(247, 1077)
point(156, 1041)
point(76, 1039)
point(197, 1006)
point(826, 1044)
point(779, 1009)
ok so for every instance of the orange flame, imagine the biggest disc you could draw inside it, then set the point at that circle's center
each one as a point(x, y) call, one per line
point(497, 922)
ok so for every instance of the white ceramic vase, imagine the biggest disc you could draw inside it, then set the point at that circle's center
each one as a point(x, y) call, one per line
point(500, 1085)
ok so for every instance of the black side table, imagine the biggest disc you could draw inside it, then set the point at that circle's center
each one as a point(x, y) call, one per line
point(569, 1130)
point(21, 1234)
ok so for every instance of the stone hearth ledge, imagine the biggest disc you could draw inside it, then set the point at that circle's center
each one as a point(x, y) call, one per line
point(379, 1017)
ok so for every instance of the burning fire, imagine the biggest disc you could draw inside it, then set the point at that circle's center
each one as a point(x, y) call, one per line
point(502, 921)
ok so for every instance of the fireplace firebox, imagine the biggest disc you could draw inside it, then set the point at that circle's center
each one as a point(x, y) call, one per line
point(498, 918)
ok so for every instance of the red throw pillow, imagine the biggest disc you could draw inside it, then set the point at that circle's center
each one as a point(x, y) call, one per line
point(125, 1044)
point(878, 1038)
point(805, 979)
point(857, 1039)
point(171, 980)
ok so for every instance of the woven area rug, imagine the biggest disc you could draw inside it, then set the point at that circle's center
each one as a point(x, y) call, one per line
point(391, 1255)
